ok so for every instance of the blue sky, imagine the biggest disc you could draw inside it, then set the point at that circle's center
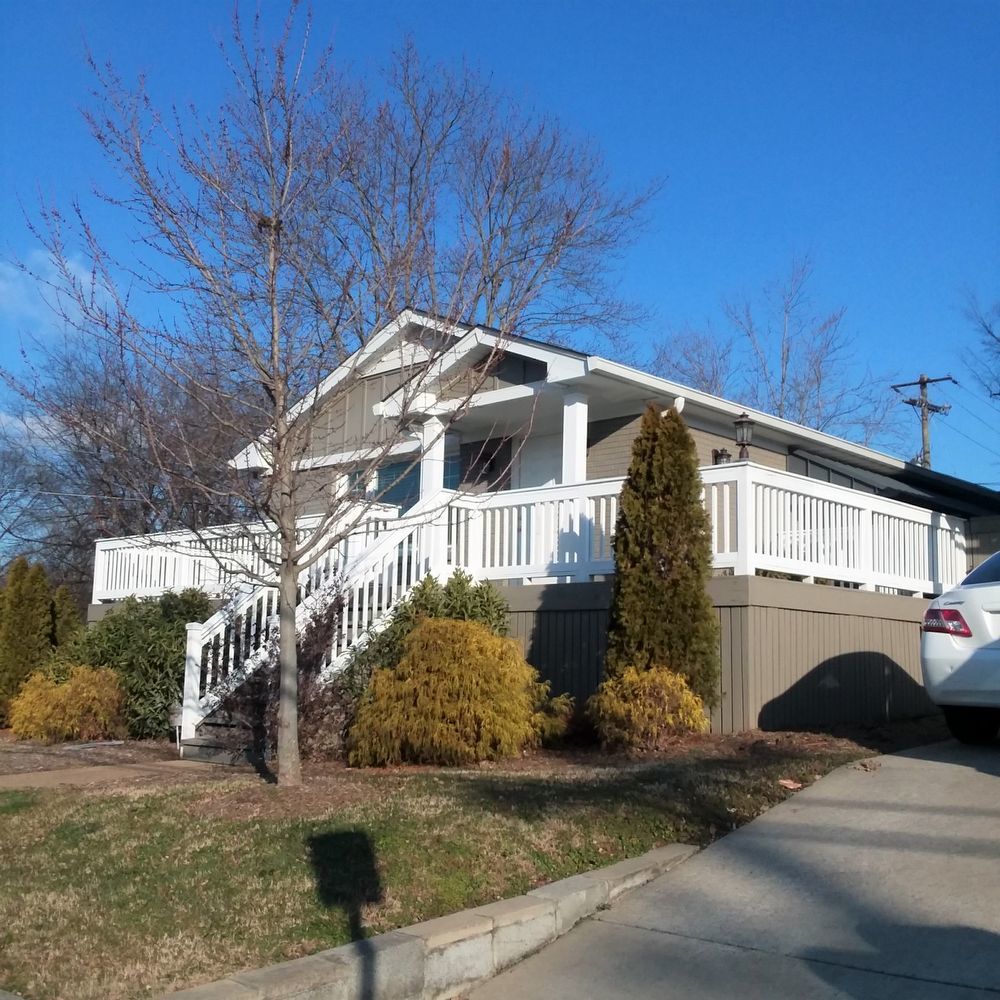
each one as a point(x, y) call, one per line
point(864, 133)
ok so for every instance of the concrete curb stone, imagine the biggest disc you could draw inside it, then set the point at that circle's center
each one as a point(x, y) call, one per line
point(443, 957)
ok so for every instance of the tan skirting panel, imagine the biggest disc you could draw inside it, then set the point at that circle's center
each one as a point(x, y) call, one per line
point(793, 654)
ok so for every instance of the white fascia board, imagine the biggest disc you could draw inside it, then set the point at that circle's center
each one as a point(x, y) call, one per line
point(423, 402)
point(662, 386)
point(444, 363)
point(392, 329)
point(354, 362)
point(561, 367)
point(509, 394)
point(358, 455)
point(251, 458)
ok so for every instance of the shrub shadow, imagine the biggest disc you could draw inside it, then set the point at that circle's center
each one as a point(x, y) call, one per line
point(694, 793)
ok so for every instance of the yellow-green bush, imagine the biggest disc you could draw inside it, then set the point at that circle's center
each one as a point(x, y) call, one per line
point(460, 694)
point(637, 709)
point(86, 706)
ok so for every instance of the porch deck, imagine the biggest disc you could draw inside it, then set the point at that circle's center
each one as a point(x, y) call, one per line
point(763, 520)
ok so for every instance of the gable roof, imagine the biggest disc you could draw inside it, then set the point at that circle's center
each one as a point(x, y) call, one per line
point(574, 369)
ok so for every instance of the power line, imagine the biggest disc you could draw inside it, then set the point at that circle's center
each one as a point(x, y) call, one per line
point(975, 416)
point(972, 440)
point(925, 407)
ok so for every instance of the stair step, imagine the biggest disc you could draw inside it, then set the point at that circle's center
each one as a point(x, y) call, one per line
point(214, 751)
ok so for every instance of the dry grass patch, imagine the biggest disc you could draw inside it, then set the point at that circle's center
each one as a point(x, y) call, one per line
point(123, 892)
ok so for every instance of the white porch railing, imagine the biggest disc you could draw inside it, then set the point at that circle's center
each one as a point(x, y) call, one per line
point(213, 560)
point(546, 533)
point(228, 647)
point(765, 519)
point(761, 520)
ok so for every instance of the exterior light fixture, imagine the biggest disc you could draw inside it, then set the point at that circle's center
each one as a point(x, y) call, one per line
point(744, 435)
point(721, 456)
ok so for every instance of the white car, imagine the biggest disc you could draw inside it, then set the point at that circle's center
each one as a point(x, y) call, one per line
point(960, 654)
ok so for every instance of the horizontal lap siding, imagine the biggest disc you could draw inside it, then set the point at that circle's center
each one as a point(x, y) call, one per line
point(609, 447)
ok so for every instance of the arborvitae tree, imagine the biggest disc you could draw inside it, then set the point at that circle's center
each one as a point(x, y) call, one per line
point(65, 615)
point(25, 627)
point(661, 614)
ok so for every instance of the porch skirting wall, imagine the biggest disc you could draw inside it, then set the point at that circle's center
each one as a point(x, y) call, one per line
point(793, 654)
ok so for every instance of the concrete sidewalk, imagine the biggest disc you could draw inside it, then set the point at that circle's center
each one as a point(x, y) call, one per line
point(96, 774)
point(880, 884)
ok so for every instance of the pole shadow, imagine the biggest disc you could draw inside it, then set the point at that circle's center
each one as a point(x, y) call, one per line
point(346, 876)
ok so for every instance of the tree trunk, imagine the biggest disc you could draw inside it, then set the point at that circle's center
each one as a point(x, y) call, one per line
point(289, 765)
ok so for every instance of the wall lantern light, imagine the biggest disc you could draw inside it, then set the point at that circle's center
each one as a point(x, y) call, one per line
point(744, 435)
point(721, 456)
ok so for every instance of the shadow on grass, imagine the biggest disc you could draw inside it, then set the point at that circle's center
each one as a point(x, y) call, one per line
point(346, 876)
point(698, 795)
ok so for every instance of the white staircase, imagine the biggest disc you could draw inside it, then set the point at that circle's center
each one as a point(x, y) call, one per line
point(227, 649)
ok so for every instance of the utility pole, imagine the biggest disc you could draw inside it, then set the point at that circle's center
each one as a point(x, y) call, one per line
point(925, 407)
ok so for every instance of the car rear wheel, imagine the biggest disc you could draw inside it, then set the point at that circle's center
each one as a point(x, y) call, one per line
point(972, 725)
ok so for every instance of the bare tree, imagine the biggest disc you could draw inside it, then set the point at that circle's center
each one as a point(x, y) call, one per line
point(79, 469)
point(700, 358)
point(784, 358)
point(270, 241)
point(985, 320)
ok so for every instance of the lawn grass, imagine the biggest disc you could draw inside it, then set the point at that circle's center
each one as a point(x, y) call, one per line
point(131, 891)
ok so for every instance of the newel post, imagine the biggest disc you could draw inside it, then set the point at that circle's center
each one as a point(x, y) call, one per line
point(866, 549)
point(746, 522)
point(190, 707)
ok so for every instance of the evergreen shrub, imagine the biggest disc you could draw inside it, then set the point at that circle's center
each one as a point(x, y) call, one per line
point(637, 709)
point(458, 598)
point(459, 695)
point(25, 627)
point(660, 608)
point(87, 706)
point(144, 642)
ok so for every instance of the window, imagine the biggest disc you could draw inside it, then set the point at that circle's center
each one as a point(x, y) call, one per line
point(987, 572)
point(356, 485)
point(397, 486)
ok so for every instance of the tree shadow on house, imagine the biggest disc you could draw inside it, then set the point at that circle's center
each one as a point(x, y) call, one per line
point(346, 876)
point(565, 636)
point(856, 695)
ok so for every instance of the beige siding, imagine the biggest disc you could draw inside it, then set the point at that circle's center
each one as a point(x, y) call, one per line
point(609, 447)
point(347, 421)
point(506, 371)
point(985, 538)
point(792, 654)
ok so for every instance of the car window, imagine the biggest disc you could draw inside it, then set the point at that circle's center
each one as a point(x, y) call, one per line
point(987, 572)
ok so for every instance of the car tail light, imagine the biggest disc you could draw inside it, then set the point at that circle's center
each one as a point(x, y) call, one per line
point(946, 620)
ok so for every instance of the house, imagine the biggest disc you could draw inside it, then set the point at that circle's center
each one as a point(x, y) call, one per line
point(518, 483)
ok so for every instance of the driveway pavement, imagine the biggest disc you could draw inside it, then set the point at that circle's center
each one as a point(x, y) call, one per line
point(880, 884)
point(100, 774)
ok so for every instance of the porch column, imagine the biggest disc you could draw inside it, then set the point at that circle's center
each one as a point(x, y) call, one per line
point(574, 438)
point(431, 457)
